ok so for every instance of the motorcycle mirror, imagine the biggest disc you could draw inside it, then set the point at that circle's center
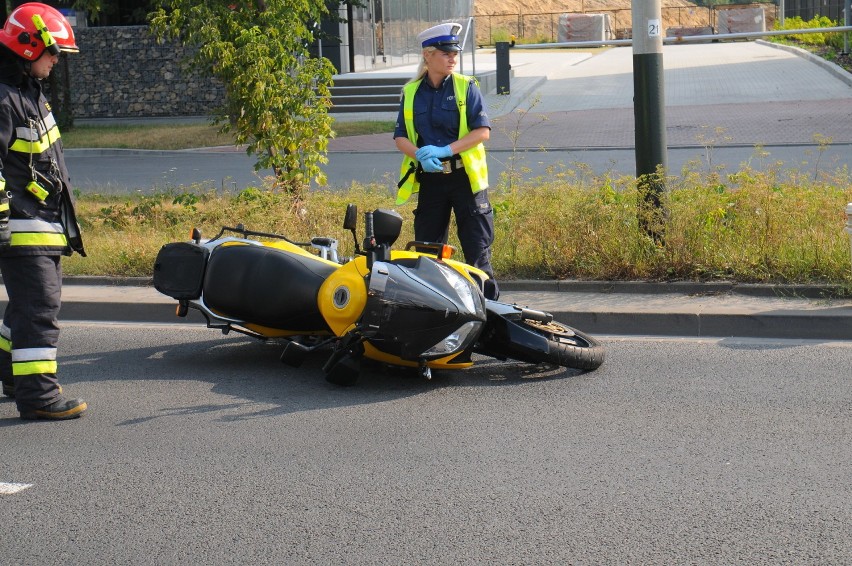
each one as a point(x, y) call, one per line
point(350, 221)
point(195, 236)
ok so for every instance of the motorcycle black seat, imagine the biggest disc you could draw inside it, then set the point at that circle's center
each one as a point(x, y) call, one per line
point(266, 286)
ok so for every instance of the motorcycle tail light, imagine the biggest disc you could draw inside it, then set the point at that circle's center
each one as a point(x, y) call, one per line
point(455, 342)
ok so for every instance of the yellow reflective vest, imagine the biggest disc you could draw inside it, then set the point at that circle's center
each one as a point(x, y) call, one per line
point(473, 158)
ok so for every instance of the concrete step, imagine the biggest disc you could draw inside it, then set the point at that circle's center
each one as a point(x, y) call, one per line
point(359, 99)
point(378, 80)
point(364, 108)
point(367, 94)
point(381, 93)
point(348, 90)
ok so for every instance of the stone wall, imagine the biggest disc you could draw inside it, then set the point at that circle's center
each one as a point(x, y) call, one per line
point(123, 72)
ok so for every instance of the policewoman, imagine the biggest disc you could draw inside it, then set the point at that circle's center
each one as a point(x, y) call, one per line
point(37, 220)
point(441, 128)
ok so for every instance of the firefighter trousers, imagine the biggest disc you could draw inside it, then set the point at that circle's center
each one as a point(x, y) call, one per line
point(30, 330)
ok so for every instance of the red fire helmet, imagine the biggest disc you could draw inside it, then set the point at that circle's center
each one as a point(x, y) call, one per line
point(33, 27)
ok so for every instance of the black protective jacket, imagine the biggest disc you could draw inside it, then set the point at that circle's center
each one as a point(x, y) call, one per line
point(31, 150)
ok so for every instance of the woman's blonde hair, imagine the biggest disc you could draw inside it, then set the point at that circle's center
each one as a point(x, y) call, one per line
point(421, 69)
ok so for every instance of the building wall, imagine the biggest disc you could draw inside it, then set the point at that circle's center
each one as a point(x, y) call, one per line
point(124, 72)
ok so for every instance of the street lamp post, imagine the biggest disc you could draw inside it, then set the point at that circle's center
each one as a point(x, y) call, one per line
point(649, 113)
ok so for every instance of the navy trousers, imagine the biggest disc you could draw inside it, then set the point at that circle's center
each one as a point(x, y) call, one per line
point(442, 194)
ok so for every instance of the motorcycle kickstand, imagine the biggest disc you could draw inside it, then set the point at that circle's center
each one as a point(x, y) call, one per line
point(425, 371)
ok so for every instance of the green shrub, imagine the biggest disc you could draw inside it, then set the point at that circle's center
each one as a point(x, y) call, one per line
point(831, 39)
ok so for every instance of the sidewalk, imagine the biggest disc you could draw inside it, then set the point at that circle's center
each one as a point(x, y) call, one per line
point(726, 94)
point(598, 308)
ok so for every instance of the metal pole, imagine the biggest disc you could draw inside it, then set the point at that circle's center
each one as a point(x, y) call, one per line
point(473, 46)
point(649, 114)
point(503, 67)
point(847, 18)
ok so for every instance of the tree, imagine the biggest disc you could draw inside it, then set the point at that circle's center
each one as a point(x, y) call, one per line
point(276, 96)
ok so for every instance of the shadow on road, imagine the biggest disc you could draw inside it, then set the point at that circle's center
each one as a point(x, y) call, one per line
point(258, 385)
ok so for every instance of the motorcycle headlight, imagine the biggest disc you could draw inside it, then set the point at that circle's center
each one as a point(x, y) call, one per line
point(455, 342)
point(461, 285)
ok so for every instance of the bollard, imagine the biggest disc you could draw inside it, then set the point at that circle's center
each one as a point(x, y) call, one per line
point(503, 67)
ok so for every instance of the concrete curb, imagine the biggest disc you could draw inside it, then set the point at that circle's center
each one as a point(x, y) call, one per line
point(687, 309)
point(580, 286)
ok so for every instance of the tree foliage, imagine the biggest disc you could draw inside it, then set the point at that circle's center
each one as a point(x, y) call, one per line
point(276, 96)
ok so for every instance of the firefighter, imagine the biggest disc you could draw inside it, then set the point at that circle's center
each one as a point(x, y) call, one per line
point(441, 128)
point(37, 220)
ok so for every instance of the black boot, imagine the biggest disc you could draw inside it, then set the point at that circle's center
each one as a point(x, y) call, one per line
point(9, 386)
point(60, 410)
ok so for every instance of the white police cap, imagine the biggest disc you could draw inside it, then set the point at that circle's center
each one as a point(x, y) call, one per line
point(443, 36)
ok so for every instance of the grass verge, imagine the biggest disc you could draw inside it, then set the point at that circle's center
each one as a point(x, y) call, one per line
point(182, 136)
point(750, 226)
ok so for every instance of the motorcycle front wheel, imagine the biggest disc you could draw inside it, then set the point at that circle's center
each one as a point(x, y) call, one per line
point(568, 346)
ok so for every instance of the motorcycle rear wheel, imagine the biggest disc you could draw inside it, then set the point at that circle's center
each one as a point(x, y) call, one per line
point(568, 346)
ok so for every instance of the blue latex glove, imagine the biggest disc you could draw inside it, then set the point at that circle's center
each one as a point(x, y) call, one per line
point(431, 165)
point(425, 152)
point(428, 151)
point(443, 152)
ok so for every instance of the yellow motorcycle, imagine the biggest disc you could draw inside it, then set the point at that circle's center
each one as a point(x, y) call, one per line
point(414, 307)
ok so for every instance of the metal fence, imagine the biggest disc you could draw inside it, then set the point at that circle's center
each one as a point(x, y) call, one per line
point(809, 9)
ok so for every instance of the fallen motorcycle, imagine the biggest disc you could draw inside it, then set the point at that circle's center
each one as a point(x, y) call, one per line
point(414, 307)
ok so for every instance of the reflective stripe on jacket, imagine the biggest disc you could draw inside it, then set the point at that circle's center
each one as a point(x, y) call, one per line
point(43, 220)
point(38, 233)
point(473, 158)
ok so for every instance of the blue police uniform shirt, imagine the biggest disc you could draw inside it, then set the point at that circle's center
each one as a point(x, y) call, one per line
point(436, 115)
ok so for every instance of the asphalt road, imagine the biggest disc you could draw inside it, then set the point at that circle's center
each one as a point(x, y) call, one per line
point(200, 447)
point(123, 172)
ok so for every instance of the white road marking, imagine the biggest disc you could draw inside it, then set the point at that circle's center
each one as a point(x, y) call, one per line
point(12, 488)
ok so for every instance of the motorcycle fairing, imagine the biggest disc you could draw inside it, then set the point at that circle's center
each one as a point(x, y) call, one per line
point(409, 311)
point(459, 360)
point(266, 286)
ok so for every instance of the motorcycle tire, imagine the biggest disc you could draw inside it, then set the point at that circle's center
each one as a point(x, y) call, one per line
point(568, 346)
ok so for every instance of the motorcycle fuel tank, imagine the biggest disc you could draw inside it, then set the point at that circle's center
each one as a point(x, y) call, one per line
point(342, 296)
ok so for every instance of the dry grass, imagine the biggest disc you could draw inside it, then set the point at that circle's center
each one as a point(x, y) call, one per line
point(773, 227)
